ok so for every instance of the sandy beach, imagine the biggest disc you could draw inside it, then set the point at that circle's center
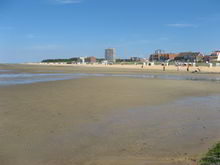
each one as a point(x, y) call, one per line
point(170, 68)
point(107, 120)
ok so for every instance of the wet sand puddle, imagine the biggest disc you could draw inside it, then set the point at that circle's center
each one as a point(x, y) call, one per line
point(182, 129)
point(4, 70)
point(27, 78)
point(9, 77)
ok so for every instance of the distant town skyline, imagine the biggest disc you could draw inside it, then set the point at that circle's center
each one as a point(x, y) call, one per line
point(31, 30)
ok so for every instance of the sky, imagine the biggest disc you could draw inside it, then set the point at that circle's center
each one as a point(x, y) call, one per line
point(33, 30)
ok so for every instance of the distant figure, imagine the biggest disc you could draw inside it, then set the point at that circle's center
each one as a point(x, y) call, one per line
point(197, 70)
point(178, 68)
point(187, 68)
point(142, 66)
point(164, 68)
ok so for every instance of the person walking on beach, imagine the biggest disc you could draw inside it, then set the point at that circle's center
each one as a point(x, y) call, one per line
point(187, 68)
point(178, 68)
point(164, 68)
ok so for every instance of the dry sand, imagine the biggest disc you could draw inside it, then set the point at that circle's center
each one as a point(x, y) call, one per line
point(170, 68)
point(105, 120)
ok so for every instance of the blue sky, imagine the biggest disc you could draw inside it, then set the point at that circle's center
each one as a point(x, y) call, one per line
point(33, 30)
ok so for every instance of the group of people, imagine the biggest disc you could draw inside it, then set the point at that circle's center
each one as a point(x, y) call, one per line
point(178, 67)
point(187, 68)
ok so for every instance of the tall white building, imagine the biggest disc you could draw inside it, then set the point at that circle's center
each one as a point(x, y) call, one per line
point(110, 54)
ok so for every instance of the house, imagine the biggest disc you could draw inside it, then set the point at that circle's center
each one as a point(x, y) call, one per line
point(90, 59)
point(163, 57)
point(207, 58)
point(190, 57)
point(215, 56)
point(135, 59)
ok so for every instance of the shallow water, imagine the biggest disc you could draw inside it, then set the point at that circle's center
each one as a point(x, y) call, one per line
point(10, 77)
point(5, 70)
point(27, 78)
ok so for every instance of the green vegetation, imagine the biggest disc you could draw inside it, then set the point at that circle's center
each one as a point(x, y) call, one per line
point(68, 61)
point(212, 157)
point(99, 60)
point(60, 60)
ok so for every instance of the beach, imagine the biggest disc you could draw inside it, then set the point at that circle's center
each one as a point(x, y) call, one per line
point(108, 120)
point(170, 68)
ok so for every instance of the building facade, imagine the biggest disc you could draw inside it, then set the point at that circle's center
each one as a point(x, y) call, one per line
point(162, 56)
point(135, 59)
point(90, 60)
point(110, 55)
point(215, 56)
point(190, 57)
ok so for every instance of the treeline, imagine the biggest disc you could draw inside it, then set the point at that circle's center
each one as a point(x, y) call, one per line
point(68, 61)
point(123, 60)
point(60, 60)
point(75, 59)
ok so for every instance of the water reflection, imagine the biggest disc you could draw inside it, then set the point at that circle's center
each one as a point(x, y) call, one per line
point(9, 77)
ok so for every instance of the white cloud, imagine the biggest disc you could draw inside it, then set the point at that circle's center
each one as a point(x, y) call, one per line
point(68, 1)
point(179, 25)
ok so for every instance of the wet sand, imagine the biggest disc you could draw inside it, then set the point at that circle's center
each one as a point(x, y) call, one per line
point(107, 120)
